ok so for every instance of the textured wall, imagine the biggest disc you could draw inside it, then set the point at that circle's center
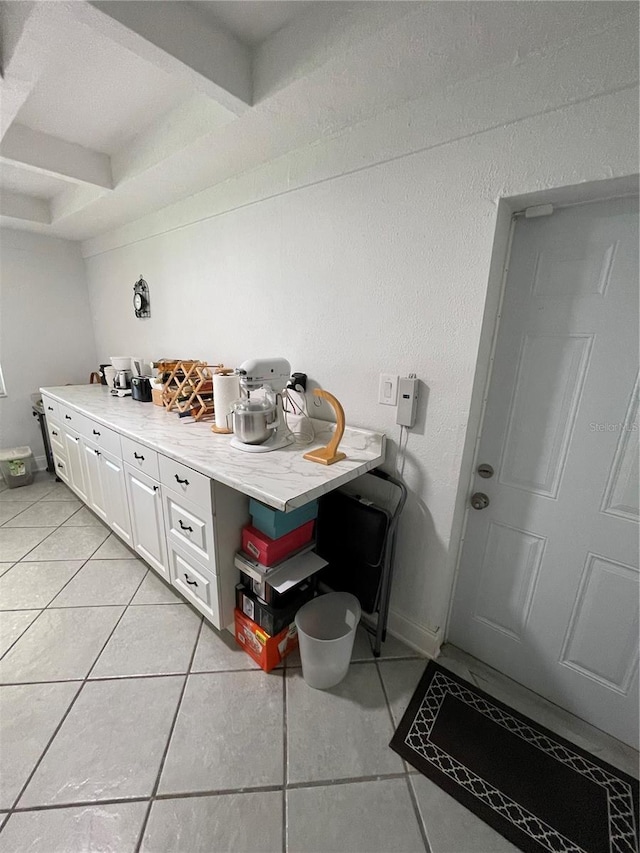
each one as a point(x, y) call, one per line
point(46, 333)
point(371, 252)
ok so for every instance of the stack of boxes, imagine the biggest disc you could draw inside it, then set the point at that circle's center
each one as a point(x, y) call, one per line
point(276, 565)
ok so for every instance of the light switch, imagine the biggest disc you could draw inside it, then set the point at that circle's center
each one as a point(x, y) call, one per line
point(388, 389)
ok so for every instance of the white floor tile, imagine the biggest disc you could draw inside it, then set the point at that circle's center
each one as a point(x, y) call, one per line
point(104, 828)
point(218, 652)
point(358, 817)
point(155, 591)
point(34, 585)
point(339, 733)
point(67, 543)
point(44, 514)
point(12, 625)
point(228, 734)
point(113, 549)
point(233, 822)
point(102, 582)
point(16, 542)
point(110, 745)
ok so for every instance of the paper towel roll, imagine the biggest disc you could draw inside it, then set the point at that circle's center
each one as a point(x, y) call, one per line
point(226, 390)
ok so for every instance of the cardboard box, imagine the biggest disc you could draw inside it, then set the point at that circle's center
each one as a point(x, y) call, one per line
point(275, 523)
point(270, 551)
point(271, 619)
point(266, 651)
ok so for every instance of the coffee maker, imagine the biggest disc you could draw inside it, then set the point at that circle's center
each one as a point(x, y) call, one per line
point(122, 383)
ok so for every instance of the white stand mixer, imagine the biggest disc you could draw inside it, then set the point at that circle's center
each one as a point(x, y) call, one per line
point(259, 423)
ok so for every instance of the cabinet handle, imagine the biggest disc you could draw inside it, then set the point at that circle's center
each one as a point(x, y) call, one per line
point(95, 432)
point(155, 488)
point(60, 465)
point(97, 452)
point(50, 408)
point(184, 526)
point(53, 432)
point(191, 583)
point(68, 417)
point(136, 456)
point(182, 482)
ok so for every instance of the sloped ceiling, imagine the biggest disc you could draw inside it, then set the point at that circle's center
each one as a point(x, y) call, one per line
point(111, 110)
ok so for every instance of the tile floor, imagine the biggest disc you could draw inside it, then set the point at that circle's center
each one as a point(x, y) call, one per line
point(129, 724)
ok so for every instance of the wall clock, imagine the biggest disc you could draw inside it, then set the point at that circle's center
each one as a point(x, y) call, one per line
point(141, 304)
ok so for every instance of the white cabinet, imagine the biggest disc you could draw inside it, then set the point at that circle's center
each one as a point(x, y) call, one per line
point(94, 480)
point(75, 466)
point(147, 523)
point(115, 495)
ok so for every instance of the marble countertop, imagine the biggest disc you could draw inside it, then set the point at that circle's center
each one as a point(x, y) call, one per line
point(281, 478)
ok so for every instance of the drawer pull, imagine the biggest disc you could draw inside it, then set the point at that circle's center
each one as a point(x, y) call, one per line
point(60, 465)
point(182, 482)
point(68, 417)
point(155, 488)
point(53, 432)
point(138, 456)
point(191, 583)
point(95, 432)
point(97, 452)
point(184, 526)
point(50, 408)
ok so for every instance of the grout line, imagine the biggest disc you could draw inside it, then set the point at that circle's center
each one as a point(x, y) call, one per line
point(325, 783)
point(285, 759)
point(82, 803)
point(219, 792)
point(154, 792)
point(416, 809)
point(66, 714)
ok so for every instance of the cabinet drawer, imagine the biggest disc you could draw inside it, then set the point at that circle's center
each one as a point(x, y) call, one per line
point(197, 584)
point(105, 438)
point(190, 527)
point(50, 408)
point(140, 457)
point(70, 418)
point(56, 437)
point(186, 482)
point(60, 464)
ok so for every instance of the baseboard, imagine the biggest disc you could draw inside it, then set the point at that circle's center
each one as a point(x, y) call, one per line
point(421, 639)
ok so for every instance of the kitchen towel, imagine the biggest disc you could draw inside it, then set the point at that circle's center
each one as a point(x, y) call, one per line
point(226, 390)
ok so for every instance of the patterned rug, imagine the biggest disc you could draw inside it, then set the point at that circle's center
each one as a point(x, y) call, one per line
point(535, 788)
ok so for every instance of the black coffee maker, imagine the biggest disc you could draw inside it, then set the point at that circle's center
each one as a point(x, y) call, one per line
point(141, 389)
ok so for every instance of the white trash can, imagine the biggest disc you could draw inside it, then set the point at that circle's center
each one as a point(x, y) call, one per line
point(16, 466)
point(326, 631)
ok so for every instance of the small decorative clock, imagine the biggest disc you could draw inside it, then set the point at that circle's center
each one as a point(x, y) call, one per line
point(141, 303)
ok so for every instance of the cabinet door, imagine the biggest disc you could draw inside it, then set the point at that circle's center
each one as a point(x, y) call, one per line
point(94, 480)
point(75, 464)
point(147, 523)
point(115, 495)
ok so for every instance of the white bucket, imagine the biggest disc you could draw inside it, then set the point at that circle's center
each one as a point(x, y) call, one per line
point(326, 631)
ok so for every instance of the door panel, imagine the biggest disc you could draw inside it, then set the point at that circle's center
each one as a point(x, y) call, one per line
point(94, 482)
point(147, 524)
point(548, 584)
point(115, 496)
point(75, 464)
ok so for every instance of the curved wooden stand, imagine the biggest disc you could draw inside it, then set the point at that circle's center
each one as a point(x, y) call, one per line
point(329, 454)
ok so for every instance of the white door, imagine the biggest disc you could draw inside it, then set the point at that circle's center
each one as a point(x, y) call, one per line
point(548, 584)
point(115, 495)
point(147, 525)
point(75, 465)
point(94, 481)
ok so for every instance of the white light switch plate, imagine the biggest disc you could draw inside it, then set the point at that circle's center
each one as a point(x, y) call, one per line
point(388, 389)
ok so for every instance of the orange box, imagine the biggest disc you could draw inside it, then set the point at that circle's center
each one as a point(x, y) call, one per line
point(267, 651)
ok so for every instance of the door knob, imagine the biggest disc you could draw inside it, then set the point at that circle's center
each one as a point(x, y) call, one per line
point(479, 500)
point(485, 470)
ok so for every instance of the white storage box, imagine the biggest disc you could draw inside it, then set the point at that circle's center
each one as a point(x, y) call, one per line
point(16, 465)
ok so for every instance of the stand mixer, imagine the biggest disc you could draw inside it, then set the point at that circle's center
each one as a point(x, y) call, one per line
point(259, 423)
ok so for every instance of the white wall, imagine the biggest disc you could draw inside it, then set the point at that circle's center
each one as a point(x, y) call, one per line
point(46, 334)
point(370, 252)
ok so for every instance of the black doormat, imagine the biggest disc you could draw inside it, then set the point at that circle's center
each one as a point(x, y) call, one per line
point(535, 788)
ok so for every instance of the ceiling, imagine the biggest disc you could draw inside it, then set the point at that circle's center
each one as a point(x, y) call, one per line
point(110, 111)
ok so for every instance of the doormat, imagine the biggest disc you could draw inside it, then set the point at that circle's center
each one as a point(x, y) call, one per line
point(533, 787)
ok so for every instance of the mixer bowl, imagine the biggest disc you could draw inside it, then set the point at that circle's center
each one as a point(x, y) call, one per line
point(253, 423)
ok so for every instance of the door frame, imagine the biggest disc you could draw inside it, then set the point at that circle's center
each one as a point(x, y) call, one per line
point(510, 209)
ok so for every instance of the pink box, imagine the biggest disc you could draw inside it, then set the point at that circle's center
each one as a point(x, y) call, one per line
point(270, 551)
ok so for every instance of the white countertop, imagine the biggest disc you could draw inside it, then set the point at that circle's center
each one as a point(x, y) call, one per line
point(281, 478)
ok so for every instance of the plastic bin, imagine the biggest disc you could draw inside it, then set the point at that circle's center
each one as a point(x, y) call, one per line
point(16, 465)
point(326, 631)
